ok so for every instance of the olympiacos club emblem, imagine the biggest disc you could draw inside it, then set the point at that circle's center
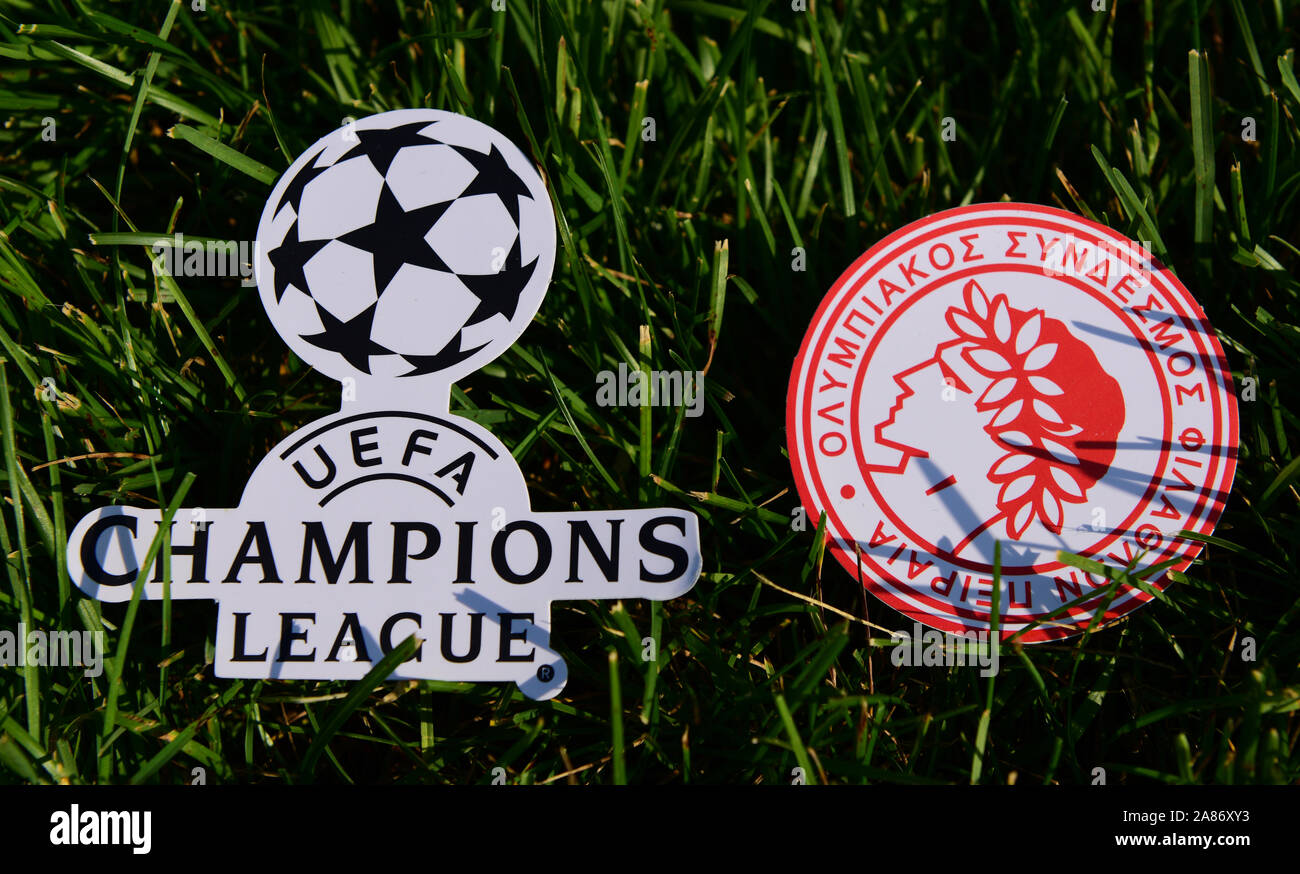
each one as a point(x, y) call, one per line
point(1013, 373)
point(396, 255)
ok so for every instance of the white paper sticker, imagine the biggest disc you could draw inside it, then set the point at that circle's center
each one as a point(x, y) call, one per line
point(396, 255)
point(1017, 374)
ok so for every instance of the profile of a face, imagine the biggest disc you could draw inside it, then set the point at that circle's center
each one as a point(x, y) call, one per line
point(1012, 408)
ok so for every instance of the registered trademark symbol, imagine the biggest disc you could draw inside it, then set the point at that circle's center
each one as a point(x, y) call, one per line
point(546, 673)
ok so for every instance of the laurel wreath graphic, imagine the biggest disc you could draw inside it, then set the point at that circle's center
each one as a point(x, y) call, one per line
point(1039, 472)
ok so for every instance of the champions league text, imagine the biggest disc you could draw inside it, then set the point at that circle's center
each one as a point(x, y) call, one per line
point(449, 570)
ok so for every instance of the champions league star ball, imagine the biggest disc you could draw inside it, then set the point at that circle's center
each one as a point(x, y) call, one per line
point(406, 246)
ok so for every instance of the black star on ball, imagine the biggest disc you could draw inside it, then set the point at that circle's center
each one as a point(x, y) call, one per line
point(381, 145)
point(292, 195)
point(289, 258)
point(396, 237)
point(445, 357)
point(351, 339)
point(499, 292)
point(494, 176)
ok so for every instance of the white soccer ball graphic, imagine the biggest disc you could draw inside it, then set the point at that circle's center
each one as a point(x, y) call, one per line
point(413, 243)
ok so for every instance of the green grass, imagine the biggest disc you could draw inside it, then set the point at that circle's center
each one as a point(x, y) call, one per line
point(774, 129)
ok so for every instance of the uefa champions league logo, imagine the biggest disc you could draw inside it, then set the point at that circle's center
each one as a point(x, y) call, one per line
point(395, 255)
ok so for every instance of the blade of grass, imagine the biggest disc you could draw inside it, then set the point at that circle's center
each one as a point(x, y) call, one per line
point(1202, 145)
point(117, 664)
point(359, 692)
point(616, 720)
point(225, 154)
point(796, 743)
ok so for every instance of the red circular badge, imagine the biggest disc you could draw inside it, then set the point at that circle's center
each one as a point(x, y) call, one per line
point(1010, 373)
